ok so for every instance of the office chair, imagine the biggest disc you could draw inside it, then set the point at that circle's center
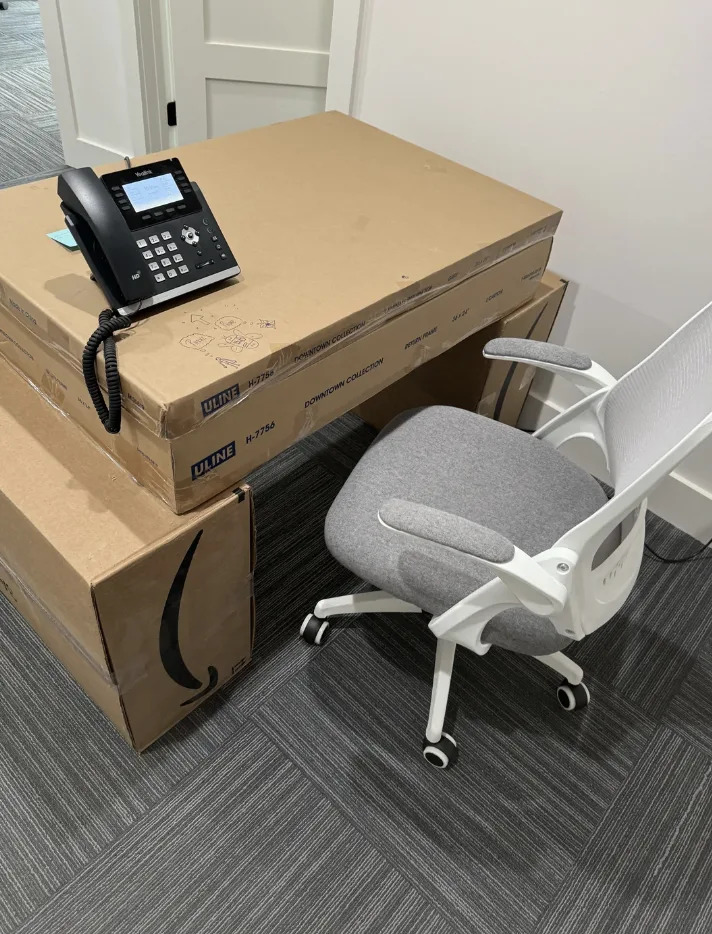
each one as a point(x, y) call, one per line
point(496, 533)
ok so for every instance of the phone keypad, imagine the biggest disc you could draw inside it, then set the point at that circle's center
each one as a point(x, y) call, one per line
point(172, 264)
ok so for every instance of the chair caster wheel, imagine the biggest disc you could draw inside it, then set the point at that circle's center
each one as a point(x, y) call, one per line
point(313, 630)
point(572, 696)
point(441, 754)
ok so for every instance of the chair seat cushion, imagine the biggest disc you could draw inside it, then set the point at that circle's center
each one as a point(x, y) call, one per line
point(474, 467)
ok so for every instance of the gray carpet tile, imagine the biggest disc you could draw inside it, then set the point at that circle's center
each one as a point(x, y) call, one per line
point(69, 784)
point(29, 133)
point(15, 51)
point(490, 841)
point(690, 712)
point(27, 149)
point(294, 571)
point(27, 89)
point(340, 445)
point(648, 867)
point(245, 844)
point(647, 649)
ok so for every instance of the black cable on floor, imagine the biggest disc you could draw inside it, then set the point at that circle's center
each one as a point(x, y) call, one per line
point(683, 560)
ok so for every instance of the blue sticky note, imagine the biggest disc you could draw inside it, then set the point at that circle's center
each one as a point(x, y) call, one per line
point(65, 238)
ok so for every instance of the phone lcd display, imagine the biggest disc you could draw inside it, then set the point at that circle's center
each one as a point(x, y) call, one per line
point(152, 192)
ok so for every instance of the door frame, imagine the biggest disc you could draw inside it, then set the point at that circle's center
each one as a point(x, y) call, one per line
point(345, 29)
point(156, 68)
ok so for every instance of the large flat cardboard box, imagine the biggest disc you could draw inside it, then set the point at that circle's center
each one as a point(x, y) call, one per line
point(462, 377)
point(149, 612)
point(340, 230)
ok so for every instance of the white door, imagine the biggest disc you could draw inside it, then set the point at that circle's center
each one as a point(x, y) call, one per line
point(93, 56)
point(239, 64)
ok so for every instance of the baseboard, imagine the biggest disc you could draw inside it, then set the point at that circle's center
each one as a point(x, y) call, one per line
point(676, 499)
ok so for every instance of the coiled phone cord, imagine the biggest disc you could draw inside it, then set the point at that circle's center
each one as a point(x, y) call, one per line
point(109, 322)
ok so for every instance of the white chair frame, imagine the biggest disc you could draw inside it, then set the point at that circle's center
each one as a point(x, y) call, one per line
point(560, 583)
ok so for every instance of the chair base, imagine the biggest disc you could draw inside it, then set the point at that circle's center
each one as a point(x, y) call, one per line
point(439, 748)
point(373, 601)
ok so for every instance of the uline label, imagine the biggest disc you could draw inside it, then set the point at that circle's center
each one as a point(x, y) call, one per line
point(224, 397)
point(212, 461)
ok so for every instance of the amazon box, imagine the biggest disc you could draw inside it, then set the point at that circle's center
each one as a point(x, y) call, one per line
point(148, 612)
point(462, 377)
point(344, 233)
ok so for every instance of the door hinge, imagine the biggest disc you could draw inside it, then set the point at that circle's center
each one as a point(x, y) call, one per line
point(171, 113)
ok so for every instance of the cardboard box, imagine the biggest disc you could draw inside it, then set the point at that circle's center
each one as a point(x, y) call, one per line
point(187, 470)
point(148, 612)
point(462, 377)
point(339, 229)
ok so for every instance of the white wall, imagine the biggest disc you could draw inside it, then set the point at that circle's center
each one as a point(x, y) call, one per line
point(600, 107)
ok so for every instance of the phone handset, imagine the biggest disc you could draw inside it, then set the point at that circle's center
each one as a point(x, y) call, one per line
point(104, 238)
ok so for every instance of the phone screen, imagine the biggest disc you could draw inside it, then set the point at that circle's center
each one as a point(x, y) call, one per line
point(152, 192)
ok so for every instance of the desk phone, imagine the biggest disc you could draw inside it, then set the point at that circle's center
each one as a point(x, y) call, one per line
point(148, 237)
point(147, 233)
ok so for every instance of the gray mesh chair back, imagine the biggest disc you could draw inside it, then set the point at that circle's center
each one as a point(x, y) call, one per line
point(658, 403)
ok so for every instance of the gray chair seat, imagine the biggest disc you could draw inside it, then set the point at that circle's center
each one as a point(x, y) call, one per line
point(474, 467)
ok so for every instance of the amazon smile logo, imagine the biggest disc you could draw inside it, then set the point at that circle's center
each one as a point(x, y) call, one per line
point(169, 645)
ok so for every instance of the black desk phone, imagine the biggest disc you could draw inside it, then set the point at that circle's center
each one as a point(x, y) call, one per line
point(148, 237)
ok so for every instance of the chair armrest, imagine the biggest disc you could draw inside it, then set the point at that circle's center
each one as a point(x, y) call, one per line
point(534, 586)
point(577, 367)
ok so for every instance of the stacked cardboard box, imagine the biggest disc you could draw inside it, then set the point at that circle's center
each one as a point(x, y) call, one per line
point(462, 377)
point(366, 261)
point(148, 611)
point(362, 255)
